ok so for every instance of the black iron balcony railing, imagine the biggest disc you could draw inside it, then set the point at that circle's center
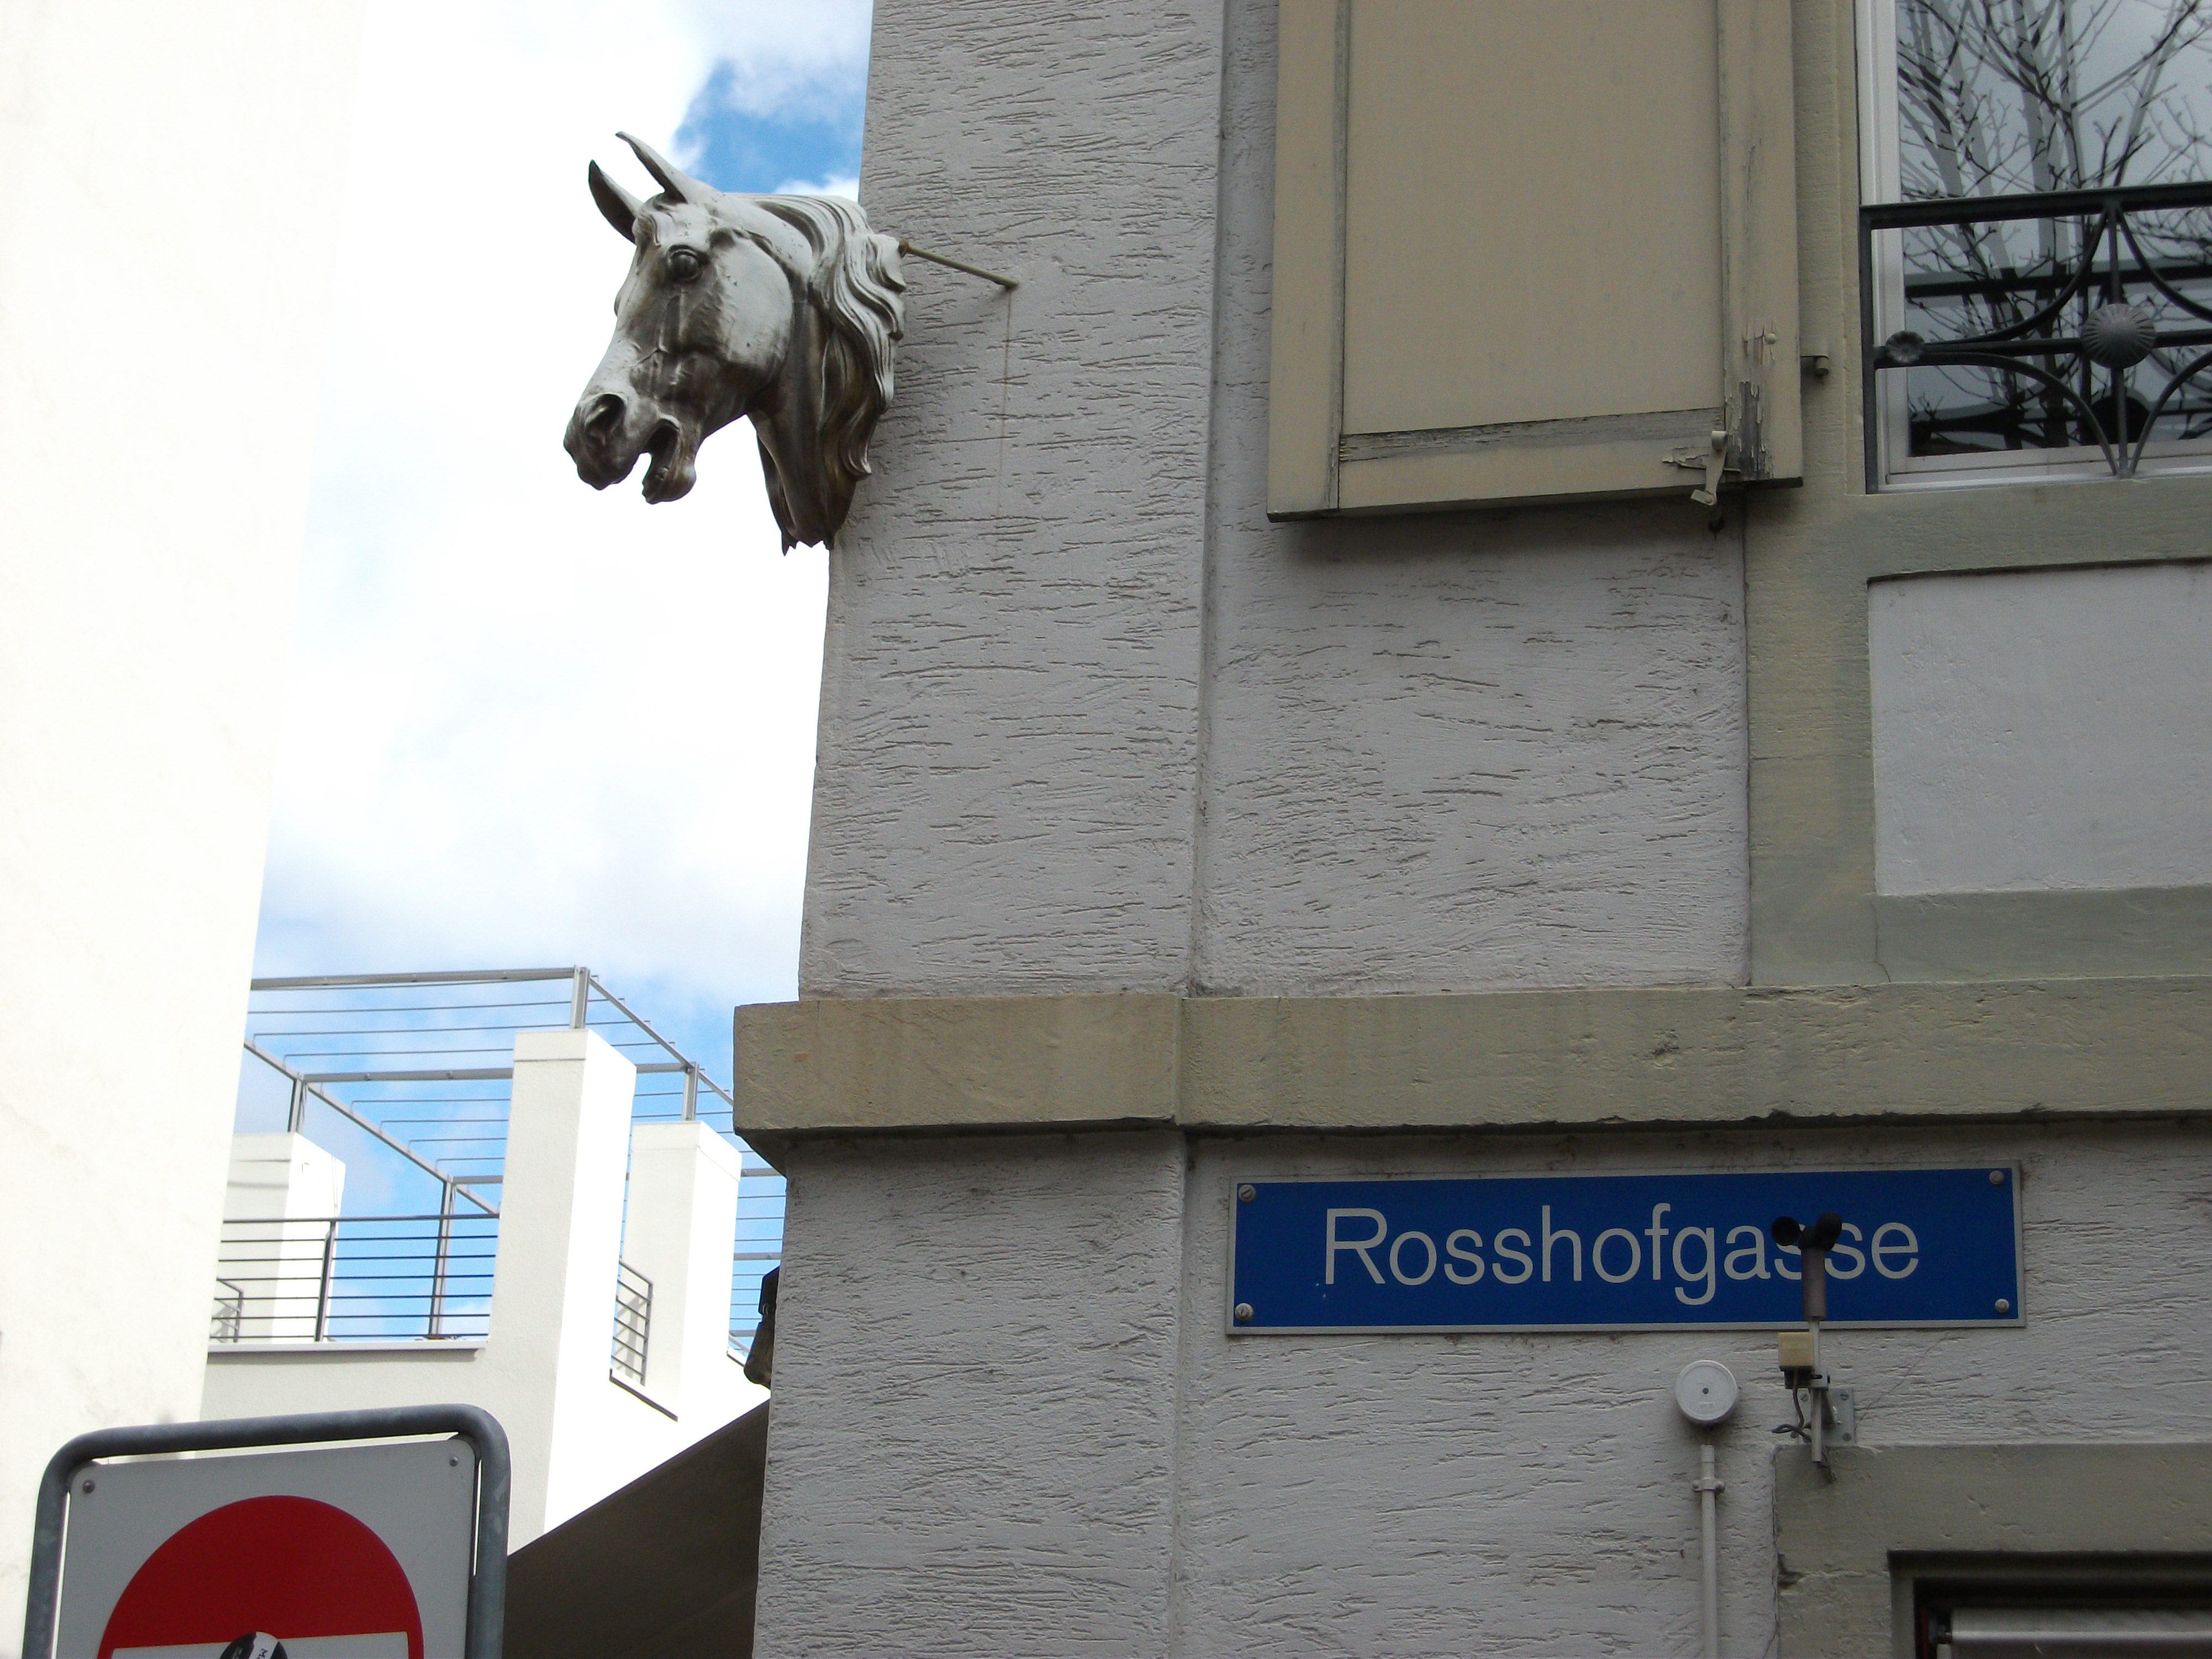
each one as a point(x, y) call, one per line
point(2076, 320)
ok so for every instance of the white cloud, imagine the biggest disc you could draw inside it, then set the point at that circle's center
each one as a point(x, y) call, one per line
point(779, 55)
point(528, 722)
point(845, 185)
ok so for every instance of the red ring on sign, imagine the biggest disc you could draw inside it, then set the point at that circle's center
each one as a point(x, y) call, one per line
point(292, 1566)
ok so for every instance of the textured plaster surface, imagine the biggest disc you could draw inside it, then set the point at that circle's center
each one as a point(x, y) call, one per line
point(2042, 729)
point(1004, 787)
point(1091, 722)
point(1002, 1427)
point(975, 1399)
point(1448, 751)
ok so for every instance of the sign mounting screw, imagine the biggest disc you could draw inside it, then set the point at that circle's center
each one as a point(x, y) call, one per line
point(2004, 1305)
point(87, 1484)
point(1247, 1193)
point(1243, 1314)
point(1997, 1177)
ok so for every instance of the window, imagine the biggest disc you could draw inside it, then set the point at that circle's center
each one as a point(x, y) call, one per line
point(1531, 248)
point(2038, 258)
point(2061, 1610)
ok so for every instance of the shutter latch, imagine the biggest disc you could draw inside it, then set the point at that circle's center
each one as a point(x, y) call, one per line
point(1712, 462)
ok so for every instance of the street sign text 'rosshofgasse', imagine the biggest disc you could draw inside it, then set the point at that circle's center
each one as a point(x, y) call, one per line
point(1919, 1247)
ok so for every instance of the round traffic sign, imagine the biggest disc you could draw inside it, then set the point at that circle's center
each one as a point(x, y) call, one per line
point(266, 1575)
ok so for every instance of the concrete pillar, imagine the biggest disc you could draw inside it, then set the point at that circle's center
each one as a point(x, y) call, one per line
point(682, 1217)
point(278, 1211)
point(560, 1236)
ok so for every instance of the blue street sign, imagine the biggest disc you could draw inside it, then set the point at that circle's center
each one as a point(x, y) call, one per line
point(1629, 1252)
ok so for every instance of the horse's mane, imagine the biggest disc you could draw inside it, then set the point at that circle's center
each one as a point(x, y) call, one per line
point(854, 287)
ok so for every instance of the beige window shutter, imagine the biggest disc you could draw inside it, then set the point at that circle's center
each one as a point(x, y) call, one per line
point(1528, 249)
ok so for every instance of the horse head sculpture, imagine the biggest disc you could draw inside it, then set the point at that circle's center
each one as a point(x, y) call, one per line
point(780, 308)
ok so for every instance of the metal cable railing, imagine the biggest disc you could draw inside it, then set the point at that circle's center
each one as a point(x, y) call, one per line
point(633, 1322)
point(759, 1246)
point(418, 1066)
point(337, 1279)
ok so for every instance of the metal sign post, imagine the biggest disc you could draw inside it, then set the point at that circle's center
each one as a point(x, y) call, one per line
point(269, 1496)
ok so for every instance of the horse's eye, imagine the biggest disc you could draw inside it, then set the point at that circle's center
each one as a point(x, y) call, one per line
point(684, 265)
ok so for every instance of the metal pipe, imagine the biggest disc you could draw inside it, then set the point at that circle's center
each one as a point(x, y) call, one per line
point(1706, 1485)
point(580, 999)
point(465, 976)
point(691, 1093)
point(323, 1292)
point(678, 1060)
point(438, 1265)
point(1819, 1394)
point(2042, 204)
point(490, 975)
point(946, 259)
point(462, 1074)
point(356, 1118)
point(295, 1118)
point(1813, 1275)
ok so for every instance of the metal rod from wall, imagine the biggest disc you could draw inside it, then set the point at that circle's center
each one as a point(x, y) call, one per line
point(1009, 283)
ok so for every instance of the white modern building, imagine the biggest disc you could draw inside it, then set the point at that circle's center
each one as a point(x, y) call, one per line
point(1289, 728)
point(574, 1275)
point(162, 289)
point(174, 189)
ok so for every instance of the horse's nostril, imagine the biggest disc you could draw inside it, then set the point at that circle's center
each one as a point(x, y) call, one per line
point(606, 413)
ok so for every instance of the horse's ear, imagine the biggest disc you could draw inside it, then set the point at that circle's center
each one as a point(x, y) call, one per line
point(682, 186)
point(622, 210)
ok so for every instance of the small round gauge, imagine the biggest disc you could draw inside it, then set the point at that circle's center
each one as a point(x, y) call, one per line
point(1705, 1391)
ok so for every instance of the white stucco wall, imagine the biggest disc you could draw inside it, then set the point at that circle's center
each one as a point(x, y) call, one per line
point(975, 1400)
point(1091, 722)
point(2042, 729)
point(1068, 743)
point(169, 195)
point(678, 1227)
point(1008, 1418)
point(1007, 765)
point(277, 1207)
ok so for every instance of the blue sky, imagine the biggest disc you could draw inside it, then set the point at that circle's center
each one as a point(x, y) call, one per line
point(528, 724)
point(810, 139)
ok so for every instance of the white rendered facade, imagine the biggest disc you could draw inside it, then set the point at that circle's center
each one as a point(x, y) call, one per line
point(1159, 846)
point(161, 300)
